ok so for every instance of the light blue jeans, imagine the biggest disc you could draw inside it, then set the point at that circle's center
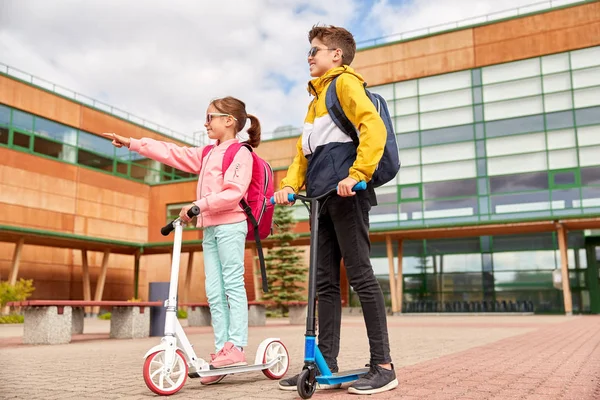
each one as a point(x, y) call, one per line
point(223, 247)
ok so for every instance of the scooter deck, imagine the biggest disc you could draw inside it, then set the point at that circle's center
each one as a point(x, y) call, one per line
point(342, 377)
point(230, 370)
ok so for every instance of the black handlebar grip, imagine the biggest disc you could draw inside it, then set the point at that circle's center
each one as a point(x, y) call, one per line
point(168, 228)
point(192, 212)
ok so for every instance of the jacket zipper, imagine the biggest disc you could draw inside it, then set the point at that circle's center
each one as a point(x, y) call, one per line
point(202, 172)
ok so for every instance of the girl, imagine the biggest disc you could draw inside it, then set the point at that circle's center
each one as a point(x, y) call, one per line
point(224, 222)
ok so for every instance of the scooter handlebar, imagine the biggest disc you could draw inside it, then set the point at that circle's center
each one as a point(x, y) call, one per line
point(168, 228)
point(362, 185)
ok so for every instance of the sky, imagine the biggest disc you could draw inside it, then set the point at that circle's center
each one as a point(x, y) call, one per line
point(164, 61)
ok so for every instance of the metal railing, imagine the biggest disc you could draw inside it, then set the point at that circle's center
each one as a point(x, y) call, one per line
point(196, 138)
point(498, 15)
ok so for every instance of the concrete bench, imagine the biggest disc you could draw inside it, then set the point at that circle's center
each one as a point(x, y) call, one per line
point(199, 313)
point(297, 311)
point(55, 321)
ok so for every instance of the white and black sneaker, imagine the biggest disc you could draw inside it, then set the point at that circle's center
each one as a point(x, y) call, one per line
point(377, 380)
point(292, 383)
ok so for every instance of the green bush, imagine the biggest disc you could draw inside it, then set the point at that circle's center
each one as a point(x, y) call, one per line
point(18, 292)
point(104, 316)
point(182, 314)
point(11, 319)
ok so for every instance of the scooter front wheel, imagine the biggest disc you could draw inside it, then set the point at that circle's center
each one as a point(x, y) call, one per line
point(158, 379)
point(306, 385)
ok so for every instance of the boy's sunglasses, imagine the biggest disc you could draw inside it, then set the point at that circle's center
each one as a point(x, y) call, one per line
point(314, 50)
point(210, 116)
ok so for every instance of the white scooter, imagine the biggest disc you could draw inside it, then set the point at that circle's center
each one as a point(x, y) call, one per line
point(168, 364)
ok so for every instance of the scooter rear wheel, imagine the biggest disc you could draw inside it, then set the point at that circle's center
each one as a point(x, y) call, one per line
point(306, 386)
point(273, 350)
point(156, 377)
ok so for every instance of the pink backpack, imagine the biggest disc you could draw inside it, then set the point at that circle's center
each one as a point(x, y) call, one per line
point(256, 205)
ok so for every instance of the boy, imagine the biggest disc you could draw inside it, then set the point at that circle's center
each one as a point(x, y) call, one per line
point(327, 158)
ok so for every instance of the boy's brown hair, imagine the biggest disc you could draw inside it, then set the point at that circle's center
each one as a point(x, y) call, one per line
point(335, 37)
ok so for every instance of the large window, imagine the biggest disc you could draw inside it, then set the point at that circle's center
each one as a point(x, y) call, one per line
point(30, 133)
point(525, 135)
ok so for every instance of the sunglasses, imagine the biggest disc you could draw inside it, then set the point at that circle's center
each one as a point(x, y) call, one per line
point(314, 50)
point(210, 116)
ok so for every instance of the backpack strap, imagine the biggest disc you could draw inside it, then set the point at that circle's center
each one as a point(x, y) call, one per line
point(334, 108)
point(227, 160)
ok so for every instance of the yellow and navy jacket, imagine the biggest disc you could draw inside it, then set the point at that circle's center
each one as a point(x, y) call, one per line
point(325, 154)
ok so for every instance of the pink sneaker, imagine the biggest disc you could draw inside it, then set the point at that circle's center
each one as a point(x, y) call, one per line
point(210, 380)
point(229, 356)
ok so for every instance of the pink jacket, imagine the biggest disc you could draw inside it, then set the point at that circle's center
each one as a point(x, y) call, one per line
point(218, 193)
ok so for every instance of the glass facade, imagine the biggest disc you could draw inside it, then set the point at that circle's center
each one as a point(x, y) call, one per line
point(515, 141)
point(26, 132)
point(500, 273)
point(512, 141)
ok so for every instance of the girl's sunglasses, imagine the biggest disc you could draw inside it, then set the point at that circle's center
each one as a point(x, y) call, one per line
point(314, 50)
point(210, 116)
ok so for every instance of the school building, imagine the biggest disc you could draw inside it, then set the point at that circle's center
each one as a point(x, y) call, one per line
point(496, 206)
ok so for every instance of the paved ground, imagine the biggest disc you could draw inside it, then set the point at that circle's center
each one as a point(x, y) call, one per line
point(436, 357)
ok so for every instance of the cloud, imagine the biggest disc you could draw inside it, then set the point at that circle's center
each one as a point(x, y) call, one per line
point(165, 61)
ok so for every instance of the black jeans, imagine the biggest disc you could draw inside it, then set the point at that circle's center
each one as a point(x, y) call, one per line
point(344, 233)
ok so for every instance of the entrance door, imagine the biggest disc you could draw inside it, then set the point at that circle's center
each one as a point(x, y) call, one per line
point(592, 249)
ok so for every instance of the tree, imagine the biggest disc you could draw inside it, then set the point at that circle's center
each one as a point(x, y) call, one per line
point(285, 269)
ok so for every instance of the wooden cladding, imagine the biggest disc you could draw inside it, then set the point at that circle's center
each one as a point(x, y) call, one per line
point(551, 32)
point(48, 105)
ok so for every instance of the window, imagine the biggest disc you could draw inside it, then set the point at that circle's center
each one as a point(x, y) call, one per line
point(447, 135)
point(3, 135)
point(440, 101)
point(53, 130)
point(564, 178)
point(449, 171)
point(511, 71)
point(513, 108)
point(4, 115)
point(22, 140)
point(512, 89)
point(96, 144)
point(409, 175)
point(457, 188)
point(558, 101)
point(562, 159)
point(173, 213)
point(518, 163)
point(409, 192)
point(445, 82)
point(406, 106)
point(405, 89)
point(585, 58)
point(22, 120)
point(407, 123)
point(516, 144)
point(410, 156)
point(590, 176)
point(519, 183)
point(555, 63)
point(589, 156)
point(408, 140)
point(587, 97)
point(448, 152)
point(588, 135)
point(557, 83)
point(588, 116)
point(515, 126)
point(94, 160)
point(455, 116)
point(561, 139)
point(559, 120)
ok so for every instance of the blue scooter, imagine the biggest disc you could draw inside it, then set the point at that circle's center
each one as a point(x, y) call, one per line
point(313, 359)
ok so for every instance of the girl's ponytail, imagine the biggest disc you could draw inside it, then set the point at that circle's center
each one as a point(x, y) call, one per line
point(254, 131)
